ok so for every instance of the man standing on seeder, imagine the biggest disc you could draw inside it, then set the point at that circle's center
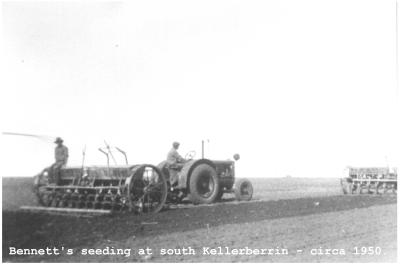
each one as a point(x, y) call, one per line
point(61, 156)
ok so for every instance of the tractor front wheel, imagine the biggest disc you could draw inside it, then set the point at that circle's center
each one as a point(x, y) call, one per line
point(243, 190)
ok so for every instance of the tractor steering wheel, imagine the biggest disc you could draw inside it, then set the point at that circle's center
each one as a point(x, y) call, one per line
point(190, 155)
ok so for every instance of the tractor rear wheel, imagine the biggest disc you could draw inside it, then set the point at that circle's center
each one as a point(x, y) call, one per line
point(243, 190)
point(204, 184)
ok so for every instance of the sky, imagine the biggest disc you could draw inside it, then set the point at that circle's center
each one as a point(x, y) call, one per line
point(299, 88)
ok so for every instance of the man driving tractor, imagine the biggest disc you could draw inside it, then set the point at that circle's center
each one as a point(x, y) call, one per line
point(175, 162)
point(174, 158)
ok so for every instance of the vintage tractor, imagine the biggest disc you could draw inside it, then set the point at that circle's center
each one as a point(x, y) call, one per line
point(204, 181)
point(372, 180)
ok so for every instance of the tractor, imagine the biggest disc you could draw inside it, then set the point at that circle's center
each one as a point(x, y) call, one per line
point(204, 181)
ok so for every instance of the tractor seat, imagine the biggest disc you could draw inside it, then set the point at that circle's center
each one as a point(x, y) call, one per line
point(174, 167)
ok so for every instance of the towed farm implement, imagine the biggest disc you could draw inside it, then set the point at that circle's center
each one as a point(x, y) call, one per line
point(137, 188)
point(370, 180)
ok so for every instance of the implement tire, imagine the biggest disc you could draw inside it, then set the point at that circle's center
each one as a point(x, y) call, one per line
point(204, 184)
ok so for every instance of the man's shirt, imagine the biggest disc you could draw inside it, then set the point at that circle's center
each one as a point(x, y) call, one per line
point(174, 157)
point(61, 154)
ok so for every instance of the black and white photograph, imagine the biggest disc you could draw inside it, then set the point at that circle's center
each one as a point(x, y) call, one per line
point(213, 131)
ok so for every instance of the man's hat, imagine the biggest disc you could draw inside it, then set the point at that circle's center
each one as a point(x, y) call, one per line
point(175, 144)
point(58, 140)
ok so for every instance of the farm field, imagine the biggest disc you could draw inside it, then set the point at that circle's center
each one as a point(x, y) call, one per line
point(305, 216)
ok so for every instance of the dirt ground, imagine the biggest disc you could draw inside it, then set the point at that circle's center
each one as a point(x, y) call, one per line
point(285, 218)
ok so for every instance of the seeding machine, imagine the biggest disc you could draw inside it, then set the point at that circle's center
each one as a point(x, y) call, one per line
point(371, 180)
